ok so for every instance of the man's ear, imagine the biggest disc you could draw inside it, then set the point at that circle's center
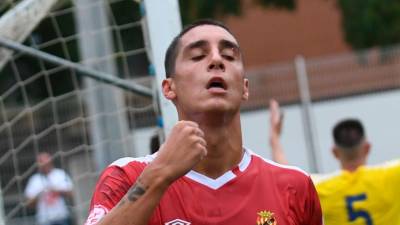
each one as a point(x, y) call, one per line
point(367, 148)
point(245, 95)
point(168, 89)
point(335, 152)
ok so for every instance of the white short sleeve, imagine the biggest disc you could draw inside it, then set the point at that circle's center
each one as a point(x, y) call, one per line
point(59, 180)
point(34, 186)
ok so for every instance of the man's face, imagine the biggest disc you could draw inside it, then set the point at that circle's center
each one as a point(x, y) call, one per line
point(209, 73)
point(44, 163)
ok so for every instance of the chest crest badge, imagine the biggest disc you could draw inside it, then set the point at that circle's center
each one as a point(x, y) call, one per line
point(266, 218)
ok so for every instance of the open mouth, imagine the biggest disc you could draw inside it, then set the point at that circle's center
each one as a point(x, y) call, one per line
point(216, 82)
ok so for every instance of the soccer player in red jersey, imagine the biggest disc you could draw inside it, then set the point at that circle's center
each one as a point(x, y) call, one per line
point(202, 174)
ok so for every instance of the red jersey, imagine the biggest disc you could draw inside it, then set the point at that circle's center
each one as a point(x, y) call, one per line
point(257, 191)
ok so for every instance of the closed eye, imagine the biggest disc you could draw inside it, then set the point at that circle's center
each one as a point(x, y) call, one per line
point(228, 57)
point(198, 58)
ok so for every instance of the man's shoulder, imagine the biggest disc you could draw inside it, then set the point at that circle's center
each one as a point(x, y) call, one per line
point(277, 168)
point(282, 174)
point(122, 162)
point(127, 166)
point(58, 171)
point(328, 182)
point(388, 171)
point(388, 165)
point(320, 178)
point(35, 178)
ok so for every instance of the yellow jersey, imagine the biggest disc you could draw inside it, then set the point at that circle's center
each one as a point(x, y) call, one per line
point(368, 196)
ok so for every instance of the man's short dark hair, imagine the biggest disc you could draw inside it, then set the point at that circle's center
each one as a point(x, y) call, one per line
point(348, 133)
point(172, 51)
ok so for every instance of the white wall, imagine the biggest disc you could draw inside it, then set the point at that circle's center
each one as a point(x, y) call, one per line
point(378, 112)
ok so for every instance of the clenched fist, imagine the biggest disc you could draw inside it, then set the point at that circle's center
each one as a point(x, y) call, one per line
point(183, 149)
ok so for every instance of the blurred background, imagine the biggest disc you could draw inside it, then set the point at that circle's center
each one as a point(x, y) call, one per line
point(323, 60)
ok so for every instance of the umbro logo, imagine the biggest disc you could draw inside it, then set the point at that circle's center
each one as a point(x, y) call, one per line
point(177, 222)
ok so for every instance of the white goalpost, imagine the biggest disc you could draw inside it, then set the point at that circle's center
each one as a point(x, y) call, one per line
point(46, 103)
point(19, 22)
point(161, 32)
point(1, 208)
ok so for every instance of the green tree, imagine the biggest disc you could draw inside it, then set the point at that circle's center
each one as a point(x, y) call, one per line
point(369, 23)
point(195, 9)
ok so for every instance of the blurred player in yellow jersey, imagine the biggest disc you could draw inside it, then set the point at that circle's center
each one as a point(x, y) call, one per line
point(357, 194)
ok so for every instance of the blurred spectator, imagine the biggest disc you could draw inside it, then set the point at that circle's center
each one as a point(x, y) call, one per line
point(47, 190)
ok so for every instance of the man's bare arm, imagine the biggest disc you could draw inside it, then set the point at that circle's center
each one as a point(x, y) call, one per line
point(138, 204)
point(276, 121)
point(183, 149)
point(31, 202)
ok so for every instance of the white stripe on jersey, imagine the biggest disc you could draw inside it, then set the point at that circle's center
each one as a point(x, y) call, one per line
point(124, 161)
point(280, 165)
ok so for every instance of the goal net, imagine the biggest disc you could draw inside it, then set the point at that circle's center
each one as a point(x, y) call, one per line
point(75, 81)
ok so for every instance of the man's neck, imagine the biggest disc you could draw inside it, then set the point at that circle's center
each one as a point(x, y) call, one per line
point(352, 166)
point(224, 145)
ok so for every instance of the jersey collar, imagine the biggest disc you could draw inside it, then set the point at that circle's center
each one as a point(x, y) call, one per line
point(224, 178)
